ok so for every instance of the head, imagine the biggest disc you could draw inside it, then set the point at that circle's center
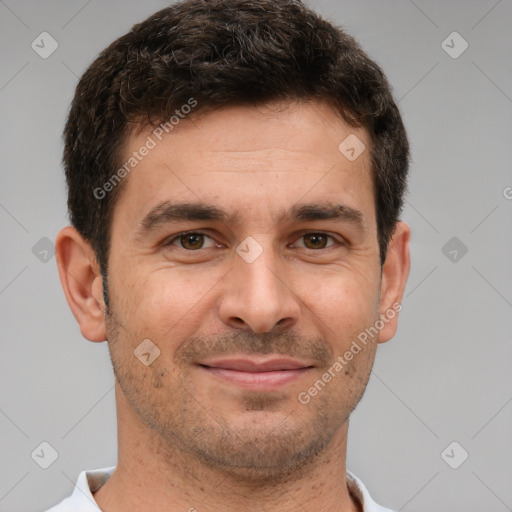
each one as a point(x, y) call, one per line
point(271, 138)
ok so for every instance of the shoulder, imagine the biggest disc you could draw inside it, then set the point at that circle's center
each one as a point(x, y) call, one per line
point(359, 490)
point(82, 500)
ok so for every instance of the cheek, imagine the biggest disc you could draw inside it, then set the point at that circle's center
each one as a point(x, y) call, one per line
point(167, 304)
point(342, 305)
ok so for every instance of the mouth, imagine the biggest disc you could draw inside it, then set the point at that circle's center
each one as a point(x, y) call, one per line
point(254, 373)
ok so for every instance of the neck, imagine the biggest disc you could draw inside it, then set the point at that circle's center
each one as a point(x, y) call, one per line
point(151, 476)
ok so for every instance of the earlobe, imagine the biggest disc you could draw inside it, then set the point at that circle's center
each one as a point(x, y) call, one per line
point(395, 272)
point(81, 281)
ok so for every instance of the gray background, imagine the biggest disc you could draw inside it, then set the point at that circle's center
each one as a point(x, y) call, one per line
point(447, 374)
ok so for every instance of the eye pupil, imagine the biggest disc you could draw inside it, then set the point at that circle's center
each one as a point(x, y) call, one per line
point(192, 241)
point(315, 238)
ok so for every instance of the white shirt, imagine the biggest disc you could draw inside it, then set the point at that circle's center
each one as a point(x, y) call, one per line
point(88, 482)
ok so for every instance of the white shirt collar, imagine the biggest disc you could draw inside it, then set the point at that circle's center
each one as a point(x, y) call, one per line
point(89, 482)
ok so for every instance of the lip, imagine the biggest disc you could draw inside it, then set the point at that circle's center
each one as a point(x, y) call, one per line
point(258, 374)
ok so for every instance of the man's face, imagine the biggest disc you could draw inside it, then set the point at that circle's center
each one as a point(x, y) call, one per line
point(250, 309)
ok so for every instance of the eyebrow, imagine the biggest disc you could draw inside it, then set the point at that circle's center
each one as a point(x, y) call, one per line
point(167, 212)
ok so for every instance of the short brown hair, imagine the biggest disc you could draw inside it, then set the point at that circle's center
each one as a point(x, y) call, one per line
point(223, 52)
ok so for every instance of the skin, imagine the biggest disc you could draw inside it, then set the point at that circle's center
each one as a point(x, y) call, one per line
point(187, 439)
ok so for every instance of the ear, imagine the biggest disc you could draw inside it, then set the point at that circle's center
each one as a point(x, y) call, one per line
point(395, 272)
point(81, 280)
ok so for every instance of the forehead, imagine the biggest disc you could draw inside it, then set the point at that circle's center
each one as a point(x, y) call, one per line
point(249, 158)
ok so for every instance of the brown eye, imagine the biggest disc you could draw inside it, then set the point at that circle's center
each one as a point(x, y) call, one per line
point(315, 240)
point(191, 241)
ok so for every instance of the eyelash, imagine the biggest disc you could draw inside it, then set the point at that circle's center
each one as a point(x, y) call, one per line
point(170, 241)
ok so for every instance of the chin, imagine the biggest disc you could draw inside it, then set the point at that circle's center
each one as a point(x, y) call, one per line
point(262, 451)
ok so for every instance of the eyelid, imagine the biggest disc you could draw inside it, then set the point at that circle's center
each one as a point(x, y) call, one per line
point(173, 238)
point(336, 238)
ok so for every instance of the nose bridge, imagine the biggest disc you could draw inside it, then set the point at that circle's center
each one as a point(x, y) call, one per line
point(262, 279)
point(256, 294)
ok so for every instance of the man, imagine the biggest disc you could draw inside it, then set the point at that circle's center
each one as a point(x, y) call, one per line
point(236, 170)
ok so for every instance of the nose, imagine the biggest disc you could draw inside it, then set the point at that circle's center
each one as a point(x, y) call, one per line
point(257, 296)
